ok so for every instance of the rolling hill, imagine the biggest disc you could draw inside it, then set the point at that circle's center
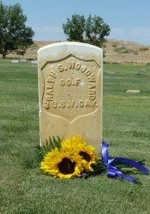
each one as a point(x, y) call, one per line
point(115, 51)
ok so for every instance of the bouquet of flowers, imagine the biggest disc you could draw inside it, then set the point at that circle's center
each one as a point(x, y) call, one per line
point(73, 157)
point(69, 158)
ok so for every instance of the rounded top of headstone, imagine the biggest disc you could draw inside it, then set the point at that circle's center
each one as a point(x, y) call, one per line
point(64, 49)
point(72, 44)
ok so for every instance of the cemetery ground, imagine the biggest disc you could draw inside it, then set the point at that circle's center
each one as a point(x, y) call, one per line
point(26, 190)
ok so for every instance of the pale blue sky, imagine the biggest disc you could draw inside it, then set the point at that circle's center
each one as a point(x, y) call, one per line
point(128, 19)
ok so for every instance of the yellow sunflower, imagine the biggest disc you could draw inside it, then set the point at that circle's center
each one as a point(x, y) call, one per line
point(62, 164)
point(77, 145)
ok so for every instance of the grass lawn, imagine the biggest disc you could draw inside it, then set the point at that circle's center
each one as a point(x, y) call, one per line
point(126, 121)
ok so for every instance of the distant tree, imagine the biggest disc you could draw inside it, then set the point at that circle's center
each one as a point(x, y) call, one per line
point(14, 34)
point(96, 30)
point(74, 28)
point(92, 30)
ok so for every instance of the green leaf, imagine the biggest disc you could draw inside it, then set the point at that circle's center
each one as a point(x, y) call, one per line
point(50, 144)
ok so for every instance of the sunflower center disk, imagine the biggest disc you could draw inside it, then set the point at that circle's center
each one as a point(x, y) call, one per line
point(66, 166)
point(85, 156)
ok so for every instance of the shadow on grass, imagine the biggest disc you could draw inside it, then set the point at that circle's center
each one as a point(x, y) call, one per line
point(31, 159)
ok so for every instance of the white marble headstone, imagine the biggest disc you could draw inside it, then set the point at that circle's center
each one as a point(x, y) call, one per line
point(70, 91)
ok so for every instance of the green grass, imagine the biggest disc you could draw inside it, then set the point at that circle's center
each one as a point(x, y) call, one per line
point(26, 190)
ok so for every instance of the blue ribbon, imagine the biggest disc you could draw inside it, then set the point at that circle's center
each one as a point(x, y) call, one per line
point(113, 171)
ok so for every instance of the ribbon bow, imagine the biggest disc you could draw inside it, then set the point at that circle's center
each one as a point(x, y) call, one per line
point(113, 171)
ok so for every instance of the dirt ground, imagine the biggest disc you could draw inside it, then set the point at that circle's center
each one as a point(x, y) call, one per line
point(115, 51)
